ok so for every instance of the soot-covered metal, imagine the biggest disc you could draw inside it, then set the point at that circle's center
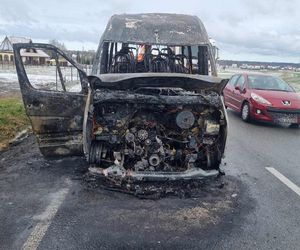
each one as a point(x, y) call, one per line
point(151, 133)
point(150, 113)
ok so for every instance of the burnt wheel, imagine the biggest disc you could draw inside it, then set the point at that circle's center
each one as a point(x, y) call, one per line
point(245, 112)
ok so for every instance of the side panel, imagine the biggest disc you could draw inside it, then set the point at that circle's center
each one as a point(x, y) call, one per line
point(229, 95)
point(238, 94)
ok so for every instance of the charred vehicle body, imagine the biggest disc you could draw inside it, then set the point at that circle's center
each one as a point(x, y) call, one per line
point(151, 109)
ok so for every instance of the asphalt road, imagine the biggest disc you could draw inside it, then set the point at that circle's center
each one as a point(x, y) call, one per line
point(45, 204)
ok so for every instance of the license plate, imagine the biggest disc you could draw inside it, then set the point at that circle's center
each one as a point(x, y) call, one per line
point(287, 118)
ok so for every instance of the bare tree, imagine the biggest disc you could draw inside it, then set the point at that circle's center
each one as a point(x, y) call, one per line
point(58, 44)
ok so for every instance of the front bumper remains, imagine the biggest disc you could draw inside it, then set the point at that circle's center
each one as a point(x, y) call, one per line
point(118, 173)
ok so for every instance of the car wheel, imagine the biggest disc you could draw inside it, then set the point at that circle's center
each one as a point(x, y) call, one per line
point(294, 126)
point(245, 113)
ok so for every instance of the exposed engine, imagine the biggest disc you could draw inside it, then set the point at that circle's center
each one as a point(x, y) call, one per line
point(143, 137)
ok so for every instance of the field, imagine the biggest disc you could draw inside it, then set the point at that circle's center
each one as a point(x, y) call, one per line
point(291, 77)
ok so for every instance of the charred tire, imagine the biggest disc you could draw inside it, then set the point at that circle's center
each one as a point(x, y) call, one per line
point(245, 112)
point(95, 153)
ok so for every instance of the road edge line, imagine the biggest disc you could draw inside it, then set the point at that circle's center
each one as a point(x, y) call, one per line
point(284, 180)
point(45, 219)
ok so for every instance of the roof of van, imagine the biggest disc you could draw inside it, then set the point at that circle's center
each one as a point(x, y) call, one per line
point(155, 28)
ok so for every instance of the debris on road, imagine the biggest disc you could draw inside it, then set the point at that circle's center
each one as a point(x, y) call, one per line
point(155, 190)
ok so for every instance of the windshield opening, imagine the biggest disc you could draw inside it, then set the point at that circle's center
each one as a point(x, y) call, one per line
point(117, 57)
point(268, 83)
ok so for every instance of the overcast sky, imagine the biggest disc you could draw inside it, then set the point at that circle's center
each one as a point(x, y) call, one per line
point(265, 30)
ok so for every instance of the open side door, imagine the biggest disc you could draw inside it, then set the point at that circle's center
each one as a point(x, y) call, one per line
point(54, 90)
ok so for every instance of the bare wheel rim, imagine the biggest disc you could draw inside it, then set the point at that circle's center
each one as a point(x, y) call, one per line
point(245, 112)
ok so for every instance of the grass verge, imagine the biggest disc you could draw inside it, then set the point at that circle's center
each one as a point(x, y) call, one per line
point(12, 119)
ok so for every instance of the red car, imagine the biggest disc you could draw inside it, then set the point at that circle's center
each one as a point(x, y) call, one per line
point(264, 98)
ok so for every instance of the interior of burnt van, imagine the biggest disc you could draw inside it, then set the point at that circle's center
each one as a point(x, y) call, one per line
point(120, 57)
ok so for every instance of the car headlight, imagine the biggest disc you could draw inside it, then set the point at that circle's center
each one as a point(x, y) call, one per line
point(259, 99)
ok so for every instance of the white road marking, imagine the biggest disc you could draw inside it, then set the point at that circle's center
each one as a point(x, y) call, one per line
point(45, 219)
point(285, 180)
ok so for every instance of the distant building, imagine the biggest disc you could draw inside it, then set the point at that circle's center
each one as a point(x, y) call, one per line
point(61, 61)
point(29, 56)
point(82, 57)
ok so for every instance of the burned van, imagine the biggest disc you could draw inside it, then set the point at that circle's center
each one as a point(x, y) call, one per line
point(149, 111)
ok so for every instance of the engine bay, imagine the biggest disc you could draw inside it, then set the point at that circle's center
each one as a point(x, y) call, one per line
point(146, 139)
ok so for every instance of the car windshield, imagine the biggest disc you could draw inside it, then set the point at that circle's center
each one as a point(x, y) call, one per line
point(268, 83)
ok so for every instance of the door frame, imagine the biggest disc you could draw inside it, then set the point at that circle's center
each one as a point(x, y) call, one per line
point(56, 116)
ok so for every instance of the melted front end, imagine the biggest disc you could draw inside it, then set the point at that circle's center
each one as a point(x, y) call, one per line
point(156, 134)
